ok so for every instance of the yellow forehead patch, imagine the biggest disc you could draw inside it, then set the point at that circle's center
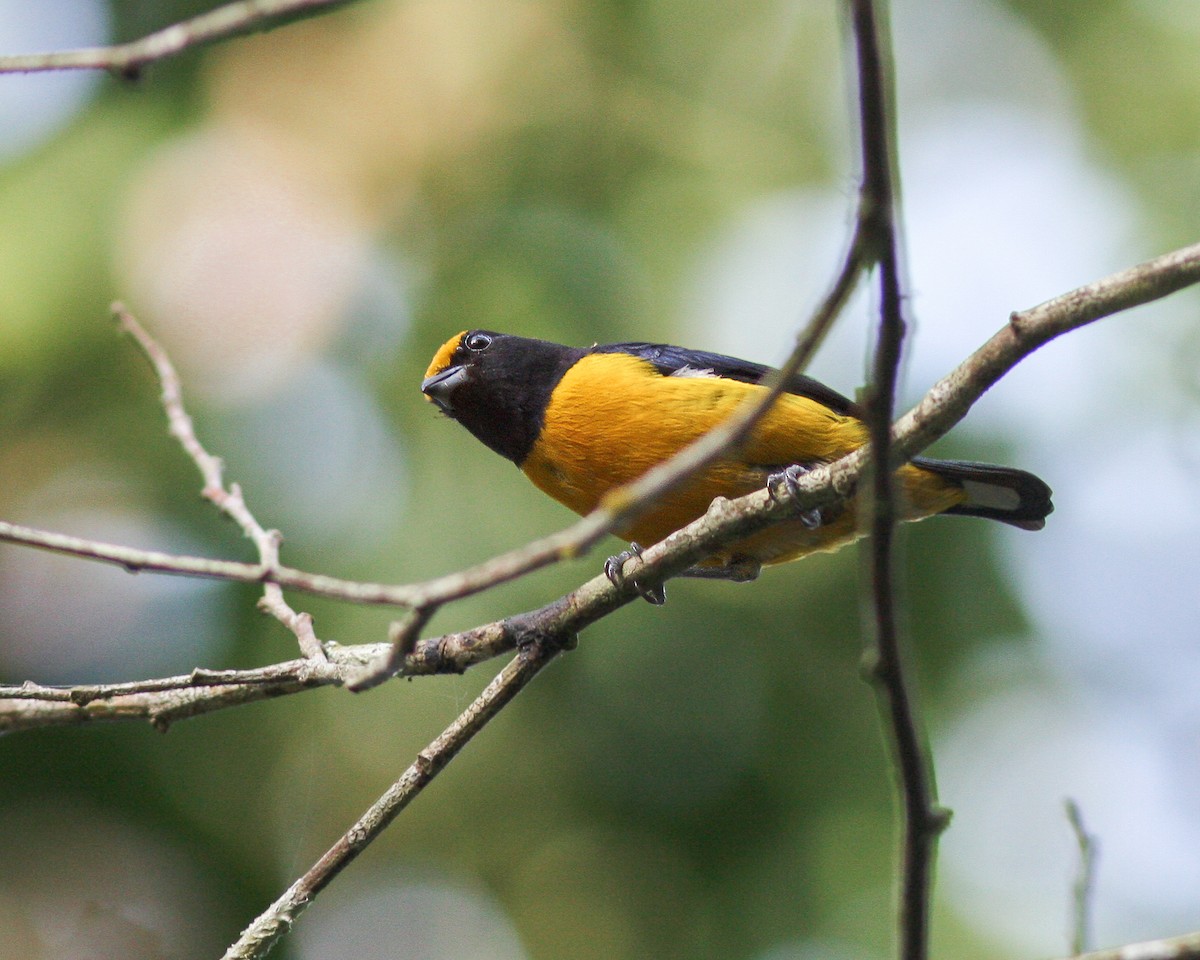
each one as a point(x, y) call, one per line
point(441, 359)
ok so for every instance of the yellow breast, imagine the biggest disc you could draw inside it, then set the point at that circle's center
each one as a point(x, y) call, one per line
point(613, 417)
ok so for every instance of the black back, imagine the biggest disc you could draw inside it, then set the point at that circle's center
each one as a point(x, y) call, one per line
point(668, 360)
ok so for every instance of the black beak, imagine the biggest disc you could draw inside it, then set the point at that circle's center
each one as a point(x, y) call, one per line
point(440, 387)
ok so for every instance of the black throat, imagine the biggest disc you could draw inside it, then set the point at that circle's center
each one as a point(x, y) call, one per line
point(509, 387)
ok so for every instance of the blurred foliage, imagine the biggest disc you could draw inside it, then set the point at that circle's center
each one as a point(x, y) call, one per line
point(705, 780)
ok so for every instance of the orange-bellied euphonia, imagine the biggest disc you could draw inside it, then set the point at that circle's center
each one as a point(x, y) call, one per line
point(582, 421)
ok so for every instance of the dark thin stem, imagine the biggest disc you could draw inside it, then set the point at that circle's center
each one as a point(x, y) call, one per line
point(1085, 880)
point(922, 820)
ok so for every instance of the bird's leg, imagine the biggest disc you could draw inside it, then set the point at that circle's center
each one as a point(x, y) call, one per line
point(739, 569)
point(614, 570)
point(789, 478)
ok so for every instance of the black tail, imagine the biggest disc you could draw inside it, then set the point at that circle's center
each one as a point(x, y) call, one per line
point(997, 493)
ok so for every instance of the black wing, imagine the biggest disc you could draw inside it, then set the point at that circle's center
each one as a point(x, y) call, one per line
point(668, 360)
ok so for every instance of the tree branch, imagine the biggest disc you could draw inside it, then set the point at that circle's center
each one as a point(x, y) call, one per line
point(948, 401)
point(228, 500)
point(537, 650)
point(1186, 947)
point(1085, 880)
point(128, 59)
point(922, 820)
point(164, 700)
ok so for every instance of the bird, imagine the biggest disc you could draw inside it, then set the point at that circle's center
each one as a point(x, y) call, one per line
point(581, 421)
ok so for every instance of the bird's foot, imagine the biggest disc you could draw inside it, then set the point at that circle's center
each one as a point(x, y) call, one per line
point(614, 570)
point(789, 479)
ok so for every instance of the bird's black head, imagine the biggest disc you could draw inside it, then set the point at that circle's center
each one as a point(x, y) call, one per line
point(498, 386)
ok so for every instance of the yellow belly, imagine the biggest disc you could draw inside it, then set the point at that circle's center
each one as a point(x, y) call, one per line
point(633, 419)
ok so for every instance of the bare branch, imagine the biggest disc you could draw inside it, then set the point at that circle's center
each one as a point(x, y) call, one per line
point(228, 500)
point(1186, 947)
point(948, 401)
point(537, 650)
point(164, 700)
point(127, 59)
point(921, 817)
point(1085, 879)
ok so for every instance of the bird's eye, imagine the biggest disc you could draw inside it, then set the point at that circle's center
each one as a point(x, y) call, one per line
point(477, 341)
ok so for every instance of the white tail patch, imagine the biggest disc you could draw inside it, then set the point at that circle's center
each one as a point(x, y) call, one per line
point(991, 495)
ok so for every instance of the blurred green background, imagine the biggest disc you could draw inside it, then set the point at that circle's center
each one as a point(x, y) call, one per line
point(303, 216)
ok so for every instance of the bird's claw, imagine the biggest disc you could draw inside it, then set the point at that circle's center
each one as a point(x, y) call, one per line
point(789, 479)
point(614, 570)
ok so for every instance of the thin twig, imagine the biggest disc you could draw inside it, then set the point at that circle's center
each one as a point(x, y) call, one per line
point(1186, 947)
point(260, 936)
point(155, 561)
point(949, 400)
point(1085, 880)
point(402, 641)
point(127, 59)
point(228, 500)
point(921, 818)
